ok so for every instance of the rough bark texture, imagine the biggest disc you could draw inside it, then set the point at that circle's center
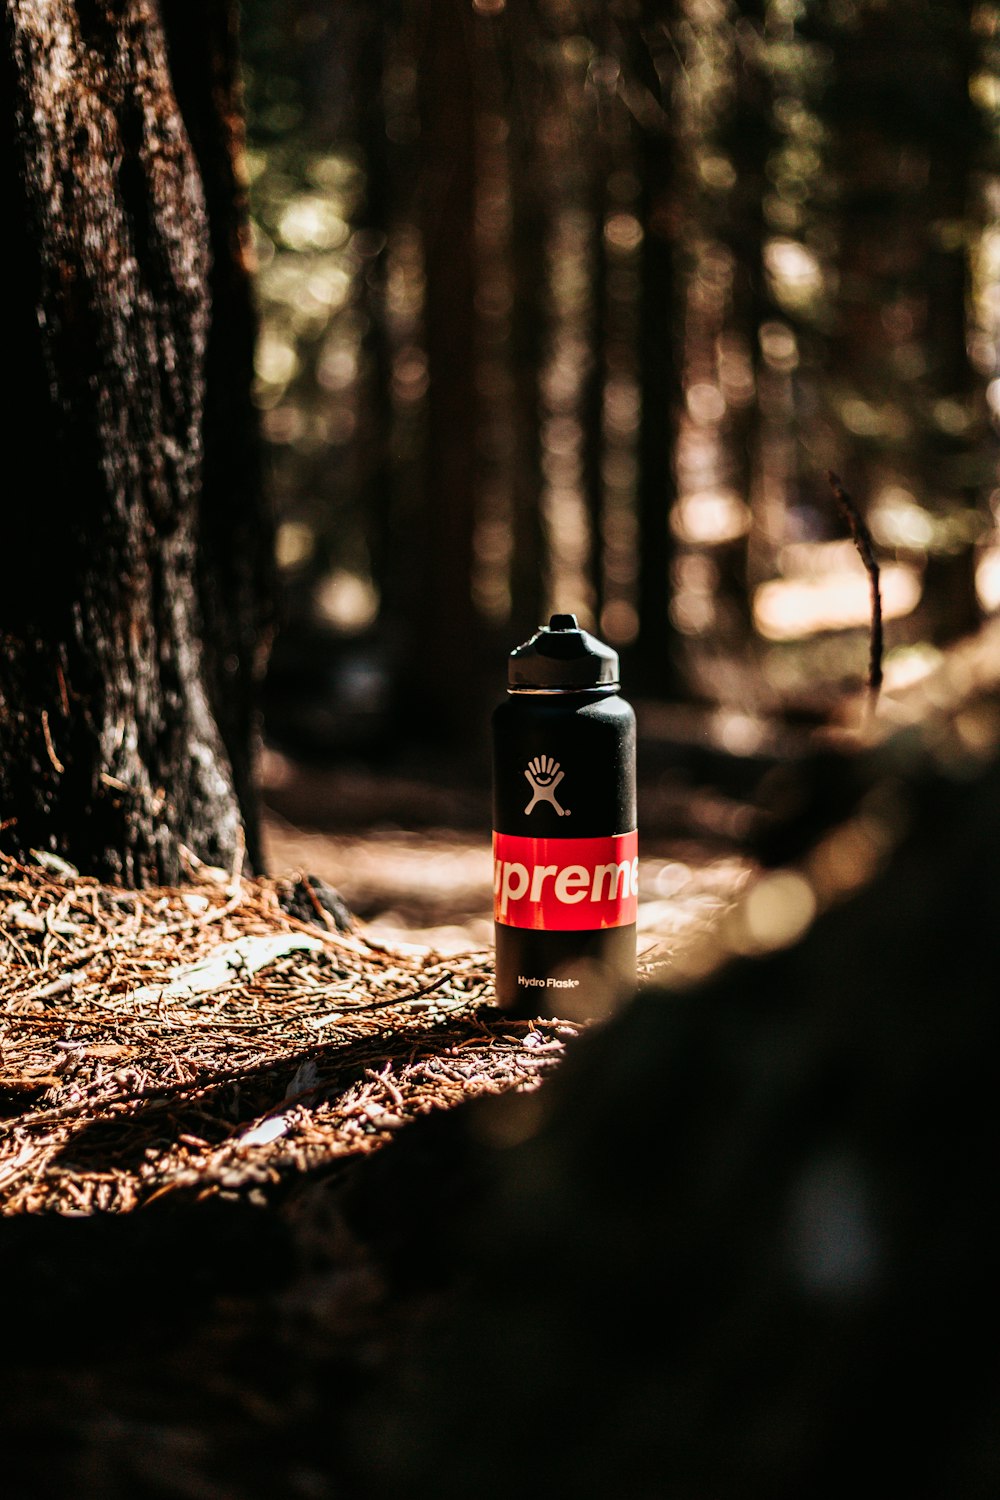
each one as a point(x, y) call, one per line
point(112, 752)
point(235, 550)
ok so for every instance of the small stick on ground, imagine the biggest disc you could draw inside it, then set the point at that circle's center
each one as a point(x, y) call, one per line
point(57, 764)
point(862, 539)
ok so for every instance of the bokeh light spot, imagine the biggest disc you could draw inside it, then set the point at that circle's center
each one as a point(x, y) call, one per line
point(776, 911)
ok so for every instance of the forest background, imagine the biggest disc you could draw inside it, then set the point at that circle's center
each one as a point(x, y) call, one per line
point(573, 306)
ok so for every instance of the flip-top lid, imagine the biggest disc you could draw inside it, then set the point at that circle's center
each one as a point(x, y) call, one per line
point(561, 655)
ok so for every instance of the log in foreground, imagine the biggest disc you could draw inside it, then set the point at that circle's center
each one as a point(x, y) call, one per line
point(744, 1243)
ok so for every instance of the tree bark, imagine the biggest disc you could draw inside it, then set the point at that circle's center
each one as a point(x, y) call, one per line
point(235, 533)
point(139, 522)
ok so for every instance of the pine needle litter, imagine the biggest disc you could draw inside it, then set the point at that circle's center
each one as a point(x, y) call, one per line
point(201, 1039)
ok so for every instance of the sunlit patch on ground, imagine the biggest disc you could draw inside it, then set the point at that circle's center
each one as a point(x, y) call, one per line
point(434, 890)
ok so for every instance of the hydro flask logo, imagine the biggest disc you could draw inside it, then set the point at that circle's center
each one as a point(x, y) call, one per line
point(544, 776)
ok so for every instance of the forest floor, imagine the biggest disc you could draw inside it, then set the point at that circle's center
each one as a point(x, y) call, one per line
point(229, 1034)
point(280, 1100)
point(226, 1060)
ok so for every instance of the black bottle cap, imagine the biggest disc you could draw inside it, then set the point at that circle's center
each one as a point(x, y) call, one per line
point(561, 655)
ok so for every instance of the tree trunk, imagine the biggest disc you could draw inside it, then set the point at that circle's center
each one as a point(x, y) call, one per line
point(530, 316)
point(376, 424)
point(908, 143)
point(443, 550)
point(235, 535)
point(747, 139)
point(658, 649)
point(659, 378)
point(595, 380)
point(139, 522)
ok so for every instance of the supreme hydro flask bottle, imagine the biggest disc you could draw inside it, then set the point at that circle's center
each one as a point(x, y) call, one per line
point(565, 847)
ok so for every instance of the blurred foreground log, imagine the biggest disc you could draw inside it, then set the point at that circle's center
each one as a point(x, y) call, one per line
point(137, 526)
point(744, 1243)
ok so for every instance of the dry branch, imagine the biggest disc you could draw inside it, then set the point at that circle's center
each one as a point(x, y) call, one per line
point(862, 539)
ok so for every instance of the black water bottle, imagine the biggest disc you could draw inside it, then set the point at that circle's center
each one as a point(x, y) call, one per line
point(565, 847)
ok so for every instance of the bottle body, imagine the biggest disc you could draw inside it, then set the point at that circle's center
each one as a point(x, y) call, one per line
point(565, 851)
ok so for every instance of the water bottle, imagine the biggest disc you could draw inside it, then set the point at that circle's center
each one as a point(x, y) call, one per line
point(565, 846)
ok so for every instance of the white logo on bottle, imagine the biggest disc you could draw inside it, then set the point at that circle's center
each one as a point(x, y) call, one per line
point(544, 776)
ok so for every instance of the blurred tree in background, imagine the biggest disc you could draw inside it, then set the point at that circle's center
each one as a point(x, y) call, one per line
point(570, 305)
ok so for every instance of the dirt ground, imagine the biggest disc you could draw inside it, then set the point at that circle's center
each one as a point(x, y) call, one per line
point(433, 889)
point(412, 859)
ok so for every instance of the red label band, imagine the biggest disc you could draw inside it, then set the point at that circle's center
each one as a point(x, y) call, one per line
point(566, 885)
